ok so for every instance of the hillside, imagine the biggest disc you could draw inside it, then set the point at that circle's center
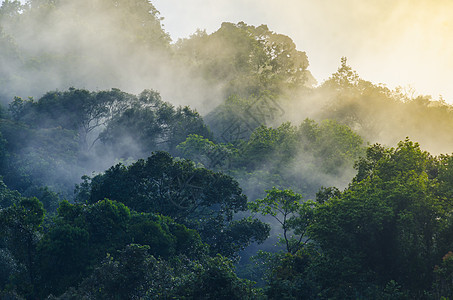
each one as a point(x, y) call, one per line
point(212, 167)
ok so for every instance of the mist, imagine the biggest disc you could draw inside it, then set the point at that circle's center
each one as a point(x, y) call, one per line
point(165, 143)
point(95, 45)
point(377, 113)
point(397, 43)
point(99, 45)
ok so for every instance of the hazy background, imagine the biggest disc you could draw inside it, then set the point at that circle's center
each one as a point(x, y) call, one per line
point(103, 44)
point(395, 42)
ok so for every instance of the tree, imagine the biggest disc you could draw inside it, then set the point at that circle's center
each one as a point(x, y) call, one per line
point(82, 235)
point(291, 276)
point(294, 216)
point(196, 197)
point(390, 213)
point(119, 276)
point(247, 59)
point(379, 238)
point(203, 150)
point(76, 109)
point(50, 142)
point(63, 258)
point(269, 144)
point(21, 225)
point(139, 18)
point(10, 58)
point(150, 125)
point(443, 284)
point(136, 23)
point(215, 279)
point(7, 196)
point(302, 158)
point(344, 78)
point(133, 273)
point(39, 157)
point(124, 274)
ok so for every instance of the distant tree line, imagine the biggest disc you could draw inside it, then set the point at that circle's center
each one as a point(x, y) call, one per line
point(278, 191)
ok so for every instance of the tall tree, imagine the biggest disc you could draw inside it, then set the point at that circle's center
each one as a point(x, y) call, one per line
point(246, 59)
point(82, 235)
point(21, 225)
point(389, 223)
point(294, 216)
point(197, 197)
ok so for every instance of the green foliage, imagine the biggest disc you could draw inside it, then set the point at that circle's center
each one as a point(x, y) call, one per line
point(336, 145)
point(133, 273)
point(204, 151)
point(21, 225)
point(139, 18)
point(379, 114)
point(63, 258)
point(76, 109)
point(215, 279)
point(128, 273)
point(302, 157)
point(380, 238)
point(38, 158)
point(33, 70)
point(344, 78)
point(248, 59)
point(234, 237)
point(49, 199)
point(121, 277)
point(324, 194)
point(294, 216)
point(10, 58)
point(83, 234)
point(226, 119)
point(152, 124)
point(290, 277)
point(7, 196)
point(444, 173)
point(3, 154)
point(266, 144)
point(171, 187)
point(120, 120)
point(53, 141)
point(199, 198)
point(391, 212)
point(443, 284)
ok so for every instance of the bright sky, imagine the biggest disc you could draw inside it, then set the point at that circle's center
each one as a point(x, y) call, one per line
point(395, 42)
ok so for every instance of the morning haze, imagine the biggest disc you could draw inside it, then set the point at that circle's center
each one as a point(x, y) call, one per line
point(225, 149)
point(398, 43)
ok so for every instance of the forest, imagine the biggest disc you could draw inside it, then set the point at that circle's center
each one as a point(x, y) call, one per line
point(212, 167)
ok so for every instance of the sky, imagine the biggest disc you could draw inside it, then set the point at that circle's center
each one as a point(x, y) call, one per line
point(405, 43)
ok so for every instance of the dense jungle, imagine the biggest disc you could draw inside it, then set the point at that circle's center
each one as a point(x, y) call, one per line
point(211, 167)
